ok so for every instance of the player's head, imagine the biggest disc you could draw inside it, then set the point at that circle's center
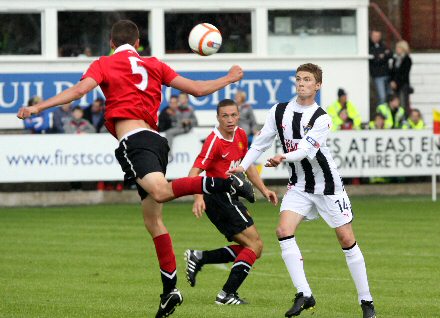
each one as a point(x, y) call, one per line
point(227, 115)
point(308, 80)
point(124, 32)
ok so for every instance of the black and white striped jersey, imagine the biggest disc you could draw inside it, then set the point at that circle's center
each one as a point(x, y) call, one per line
point(303, 127)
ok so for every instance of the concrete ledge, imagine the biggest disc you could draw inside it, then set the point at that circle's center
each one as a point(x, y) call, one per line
point(61, 198)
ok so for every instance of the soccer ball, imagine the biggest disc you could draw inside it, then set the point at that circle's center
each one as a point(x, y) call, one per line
point(205, 39)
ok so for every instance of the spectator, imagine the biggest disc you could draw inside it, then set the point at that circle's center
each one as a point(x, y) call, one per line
point(415, 120)
point(87, 52)
point(344, 113)
point(61, 115)
point(167, 117)
point(392, 111)
point(400, 73)
point(95, 114)
point(247, 118)
point(379, 69)
point(78, 125)
point(378, 122)
point(37, 124)
point(185, 119)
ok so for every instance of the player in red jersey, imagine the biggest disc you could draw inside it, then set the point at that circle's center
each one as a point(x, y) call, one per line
point(132, 86)
point(224, 149)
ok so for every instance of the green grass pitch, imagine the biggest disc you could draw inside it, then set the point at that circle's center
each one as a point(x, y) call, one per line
point(98, 261)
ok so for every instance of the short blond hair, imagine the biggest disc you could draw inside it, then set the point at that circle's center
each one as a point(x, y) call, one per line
point(403, 45)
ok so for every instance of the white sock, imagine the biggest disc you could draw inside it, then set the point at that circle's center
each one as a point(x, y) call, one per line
point(356, 264)
point(294, 263)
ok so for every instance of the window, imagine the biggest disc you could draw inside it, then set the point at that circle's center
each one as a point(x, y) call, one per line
point(234, 27)
point(87, 33)
point(312, 32)
point(20, 34)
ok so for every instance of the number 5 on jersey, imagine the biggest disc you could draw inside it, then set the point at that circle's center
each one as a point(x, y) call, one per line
point(141, 70)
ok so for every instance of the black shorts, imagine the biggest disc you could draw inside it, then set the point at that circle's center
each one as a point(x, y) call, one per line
point(142, 153)
point(229, 215)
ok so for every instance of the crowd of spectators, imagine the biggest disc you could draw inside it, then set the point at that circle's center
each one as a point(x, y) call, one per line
point(390, 72)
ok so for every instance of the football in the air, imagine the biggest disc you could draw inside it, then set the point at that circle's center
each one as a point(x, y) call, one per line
point(205, 39)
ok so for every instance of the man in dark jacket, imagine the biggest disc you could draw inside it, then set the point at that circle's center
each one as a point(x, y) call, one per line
point(379, 70)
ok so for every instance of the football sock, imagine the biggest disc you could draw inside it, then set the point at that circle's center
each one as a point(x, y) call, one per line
point(200, 185)
point(294, 262)
point(221, 255)
point(167, 262)
point(239, 271)
point(356, 264)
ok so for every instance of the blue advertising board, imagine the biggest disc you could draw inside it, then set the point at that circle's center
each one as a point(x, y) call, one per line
point(263, 88)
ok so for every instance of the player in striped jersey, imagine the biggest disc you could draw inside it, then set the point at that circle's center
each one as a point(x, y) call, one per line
point(224, 148)
point(315, 187)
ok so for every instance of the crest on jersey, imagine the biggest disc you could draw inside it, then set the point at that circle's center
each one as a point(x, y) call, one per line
point(240, 145)
point(307, 129)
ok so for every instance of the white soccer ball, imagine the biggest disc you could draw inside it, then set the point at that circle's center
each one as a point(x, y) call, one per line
point(205, 39)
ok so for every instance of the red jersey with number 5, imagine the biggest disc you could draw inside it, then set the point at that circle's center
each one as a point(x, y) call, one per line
point(132, 85)
point(218, 154)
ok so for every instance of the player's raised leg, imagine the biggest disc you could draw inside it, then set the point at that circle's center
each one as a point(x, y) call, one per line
point(356, 265)
point(292, 257)
point(170, 297)
point(162, 191)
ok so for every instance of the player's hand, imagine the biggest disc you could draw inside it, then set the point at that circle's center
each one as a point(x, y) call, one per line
point(26, 112)
point(271, 196)
point(275, 161)
point(199, 206)
point(235, 73)
point(235, 170)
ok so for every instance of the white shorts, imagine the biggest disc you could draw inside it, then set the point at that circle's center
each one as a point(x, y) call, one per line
point(334, 209)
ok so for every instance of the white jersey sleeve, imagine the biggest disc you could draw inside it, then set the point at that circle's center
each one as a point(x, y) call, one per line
point(316, 137)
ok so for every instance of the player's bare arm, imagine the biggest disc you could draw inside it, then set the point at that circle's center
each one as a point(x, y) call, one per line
point(199, 204)
point(73, 93)
point(256, 180)
point(202, 88)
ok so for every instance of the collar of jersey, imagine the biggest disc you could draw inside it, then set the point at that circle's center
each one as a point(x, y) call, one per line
point(125, 47)
point(219, 135)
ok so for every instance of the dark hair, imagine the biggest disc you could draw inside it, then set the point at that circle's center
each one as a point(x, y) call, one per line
point(77, 108)
point(174, 96)
point(124, 31)
point(311, 68)
point(379, 115)
point(226, 102)
point(392, 97)
point(341, 92)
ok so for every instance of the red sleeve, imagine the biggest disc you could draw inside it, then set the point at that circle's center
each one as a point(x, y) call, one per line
point(95, 72)
point(205, 158)
point(168, 74)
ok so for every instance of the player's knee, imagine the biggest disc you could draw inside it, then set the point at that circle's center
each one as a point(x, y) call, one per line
point(159, 194)
point(346, 241)
point(283, 231)
point(258, 248)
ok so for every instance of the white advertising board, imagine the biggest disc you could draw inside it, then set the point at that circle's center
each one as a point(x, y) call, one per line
point(47, 158)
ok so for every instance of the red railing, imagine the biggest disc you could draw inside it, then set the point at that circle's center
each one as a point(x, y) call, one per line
point(390, 27)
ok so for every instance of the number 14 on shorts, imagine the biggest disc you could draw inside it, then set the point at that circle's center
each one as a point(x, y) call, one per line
point(344, 207)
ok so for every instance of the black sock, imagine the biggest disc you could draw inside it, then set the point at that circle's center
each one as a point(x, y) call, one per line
point(168, 281)
point(218, 256)
point(237, 276)
point(215, 185)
